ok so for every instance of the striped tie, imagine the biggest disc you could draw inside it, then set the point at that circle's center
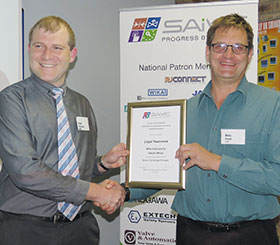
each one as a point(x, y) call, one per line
point(67, 156)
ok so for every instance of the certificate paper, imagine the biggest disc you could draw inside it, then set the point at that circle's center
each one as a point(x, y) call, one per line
point(155, 132)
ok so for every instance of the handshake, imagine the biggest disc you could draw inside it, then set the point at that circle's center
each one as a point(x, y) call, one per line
point(108, 195)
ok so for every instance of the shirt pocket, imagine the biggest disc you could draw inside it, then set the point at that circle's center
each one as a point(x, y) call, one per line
point(253, 148)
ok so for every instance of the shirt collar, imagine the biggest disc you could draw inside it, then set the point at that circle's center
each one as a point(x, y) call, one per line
point(46, 87)
point(242, 89)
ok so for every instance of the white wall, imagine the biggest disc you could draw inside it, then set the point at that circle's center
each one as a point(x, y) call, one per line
point(96, 71)
point(10, 42)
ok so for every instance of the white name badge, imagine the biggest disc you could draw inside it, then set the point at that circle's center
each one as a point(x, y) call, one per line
point(82, 123)
point(233, 136)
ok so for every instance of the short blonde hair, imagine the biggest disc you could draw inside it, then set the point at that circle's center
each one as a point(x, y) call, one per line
point(53, 24)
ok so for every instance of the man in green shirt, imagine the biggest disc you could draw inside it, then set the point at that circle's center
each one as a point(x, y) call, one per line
point(232, 155)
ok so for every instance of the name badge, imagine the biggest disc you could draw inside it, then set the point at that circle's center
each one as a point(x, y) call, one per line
point(233, 136)
point(82, 123)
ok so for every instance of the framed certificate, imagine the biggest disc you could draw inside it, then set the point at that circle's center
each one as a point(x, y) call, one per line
point(155, 132)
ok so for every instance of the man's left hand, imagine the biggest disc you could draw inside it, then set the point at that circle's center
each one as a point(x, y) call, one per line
point(194, 154)
point(116, 157)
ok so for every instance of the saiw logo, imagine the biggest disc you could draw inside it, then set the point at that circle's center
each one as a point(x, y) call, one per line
point(146, 115)
point(144, 29)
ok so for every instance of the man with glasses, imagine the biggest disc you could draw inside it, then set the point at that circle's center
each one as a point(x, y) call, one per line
point(232, 155)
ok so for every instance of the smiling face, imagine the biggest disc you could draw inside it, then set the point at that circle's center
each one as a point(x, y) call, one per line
point(50, 55)
point(228, 67)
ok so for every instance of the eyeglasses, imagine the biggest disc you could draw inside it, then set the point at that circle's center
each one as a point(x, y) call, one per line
point(236, 48)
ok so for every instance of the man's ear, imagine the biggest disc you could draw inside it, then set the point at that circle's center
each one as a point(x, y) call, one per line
point(73, 54)
point(207, 51)
point(250, 55)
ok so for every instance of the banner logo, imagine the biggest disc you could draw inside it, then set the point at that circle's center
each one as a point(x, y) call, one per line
point(185, 79)
point(144, 29)
point(134, 216)
point(157, 92)
point(197, 92)
point(154, 200)
point(130, 237)
point(145, 238)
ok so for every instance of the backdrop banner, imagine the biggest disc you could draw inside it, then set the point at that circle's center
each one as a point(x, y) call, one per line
point(162, 57)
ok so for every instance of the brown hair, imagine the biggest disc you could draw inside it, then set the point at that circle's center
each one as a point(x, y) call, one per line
point(53, 24)
point(229, 21)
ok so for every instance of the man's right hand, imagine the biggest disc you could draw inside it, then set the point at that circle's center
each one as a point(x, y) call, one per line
point(109, 199)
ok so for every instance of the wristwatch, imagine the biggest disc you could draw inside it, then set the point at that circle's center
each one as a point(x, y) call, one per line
point(102, 164)
point(127, 192)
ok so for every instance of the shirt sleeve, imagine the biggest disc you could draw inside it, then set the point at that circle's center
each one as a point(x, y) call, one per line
point(24, 166)
point(141, 194)
point(261, 176)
